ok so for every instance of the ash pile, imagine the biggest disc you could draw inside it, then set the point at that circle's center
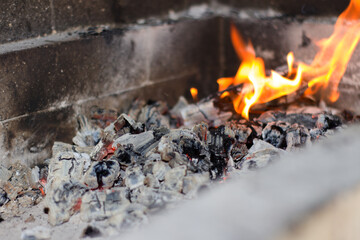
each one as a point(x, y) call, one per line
point(122, 168)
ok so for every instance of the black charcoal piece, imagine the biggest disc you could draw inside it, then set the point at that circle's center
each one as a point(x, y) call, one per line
point(3, 197)
point(124, 154)
point(183, 147)
point(242, 132)
point(123, 124)
point(152, 116)
point(220, 141)
point(102, 174)
point(91, 231)
point(305, 119)
point(297, 136)
point(238, 151)
point(275, 135)
point(315, 133)
point(141, 143)
point(201, 131)
point(327, 121)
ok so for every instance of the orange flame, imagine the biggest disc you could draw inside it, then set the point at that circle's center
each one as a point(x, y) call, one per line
point(194, 93)
point(323, 75)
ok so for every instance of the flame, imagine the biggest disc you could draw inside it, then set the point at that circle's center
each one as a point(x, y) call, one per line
point(322, 76)
point(194, 93)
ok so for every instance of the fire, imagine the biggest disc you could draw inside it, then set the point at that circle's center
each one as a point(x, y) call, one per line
point(194, 93)
point(322, 76)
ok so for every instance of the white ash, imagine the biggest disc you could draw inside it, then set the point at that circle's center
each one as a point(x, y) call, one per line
point(203, 112)
point(259, 156)
point(37, 233)
point(134, 177)
point(100, 205)
point(87, 134)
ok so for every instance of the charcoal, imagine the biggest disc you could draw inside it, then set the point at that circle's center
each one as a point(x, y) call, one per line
point(296, 136)
point(91, 232)
point(201, 130)
point(68, 166)
point(153, 156)
point(86, 135)
point(160, 132)
point(132, 216)
point(260, 155)
point(159, 170)
point(238, 151)
point(63, 199)
point(241, 131)
point(327, 121)
point(99, 152)
point(134, 177)
point(99, 205)
point(175, 112)
point(183, 147)
point(135, 108)
point(5, 174)
point(102, 117)
point(271, 116)
point(21, 176)
point(275, 133)
point(102, 174)
point(151, 182)
point(11, 190)
point(220, 141)
point(28, 198)
point(148, 166)
point(3, 197)
point(65, 147)
point(192, 183)
point(36, 233)
point(203, 112)
point(152, 116)
point(141, 143)
point(125, 155)
point(155, 198)
point(174, 178)
point(123, 124)
point(305, 119)
point(315, 133)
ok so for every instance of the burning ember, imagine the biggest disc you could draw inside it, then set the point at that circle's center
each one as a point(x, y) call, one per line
point(321, 77)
